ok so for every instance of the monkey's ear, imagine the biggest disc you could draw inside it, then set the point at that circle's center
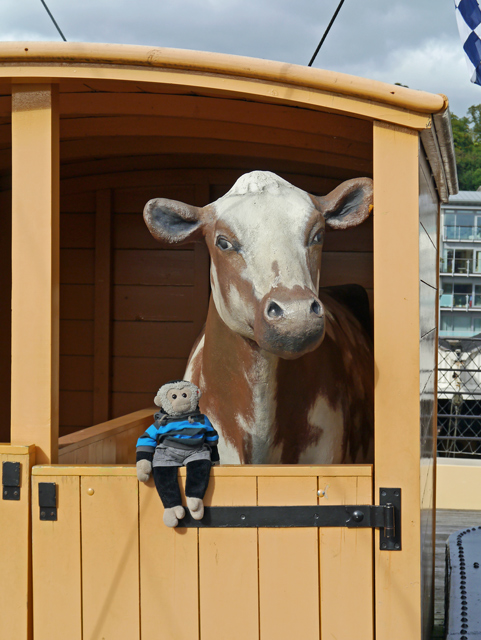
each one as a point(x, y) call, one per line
point(158, 401)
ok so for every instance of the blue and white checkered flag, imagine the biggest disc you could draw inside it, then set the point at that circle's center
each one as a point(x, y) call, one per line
point(468, 15)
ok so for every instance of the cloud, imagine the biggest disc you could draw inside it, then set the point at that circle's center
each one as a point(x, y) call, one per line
point(414, 42)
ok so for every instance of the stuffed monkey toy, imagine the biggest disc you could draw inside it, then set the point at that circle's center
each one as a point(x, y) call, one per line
point(180, 435)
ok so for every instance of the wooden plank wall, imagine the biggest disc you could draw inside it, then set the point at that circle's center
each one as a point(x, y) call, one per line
point(120, 340)
point(123, 573)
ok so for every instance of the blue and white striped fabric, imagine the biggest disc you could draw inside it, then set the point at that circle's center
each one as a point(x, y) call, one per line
point(468, 15)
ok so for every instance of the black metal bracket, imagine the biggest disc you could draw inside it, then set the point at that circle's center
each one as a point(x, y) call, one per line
point(11, 480)
point(385, 516)
point(47, 500)
point(390, 535)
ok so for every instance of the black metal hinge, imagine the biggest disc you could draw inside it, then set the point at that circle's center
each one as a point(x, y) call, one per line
point(47, 500)
point(11, 480)
point(386, 516)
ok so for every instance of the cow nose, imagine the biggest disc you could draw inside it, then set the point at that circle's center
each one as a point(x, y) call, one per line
point(276, 310)
point(289, 322)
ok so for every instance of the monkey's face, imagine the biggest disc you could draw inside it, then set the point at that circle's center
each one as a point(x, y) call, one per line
point(180, 399)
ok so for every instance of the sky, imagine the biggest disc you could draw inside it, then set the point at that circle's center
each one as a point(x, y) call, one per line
point(413, 42)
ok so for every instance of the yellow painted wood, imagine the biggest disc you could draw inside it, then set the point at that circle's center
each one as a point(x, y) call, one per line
point(397, 403)
point(218, 85)
point(57, 582)
point(199, 62)
point(106, 429)
point(346, 565)
point(455, 480)
point(35, 268)
point(110, 558)
point(168, 573)
point(286, 471)
point(111, 442)
point(228, 573)
point(288, 565)
point(17, 450)
point(15, 592)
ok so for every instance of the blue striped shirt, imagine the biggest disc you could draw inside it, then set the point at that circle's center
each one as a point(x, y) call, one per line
point(181, 433)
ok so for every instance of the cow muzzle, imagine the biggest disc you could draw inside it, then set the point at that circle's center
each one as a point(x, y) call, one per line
point(289, 322)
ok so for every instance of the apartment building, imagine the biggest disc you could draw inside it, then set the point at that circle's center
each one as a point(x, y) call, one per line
point(460, 269)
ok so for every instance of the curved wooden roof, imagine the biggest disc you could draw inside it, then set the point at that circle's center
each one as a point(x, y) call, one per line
point(67, 54)
point(111, 67)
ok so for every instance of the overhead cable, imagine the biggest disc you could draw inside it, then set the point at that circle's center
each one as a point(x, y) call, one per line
point(54, 21)
point(325, 33)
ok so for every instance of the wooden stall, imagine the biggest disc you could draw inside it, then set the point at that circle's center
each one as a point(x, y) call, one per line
point(94, 315)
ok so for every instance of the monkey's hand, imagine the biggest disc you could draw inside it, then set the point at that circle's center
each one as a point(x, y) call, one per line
point(144, 469)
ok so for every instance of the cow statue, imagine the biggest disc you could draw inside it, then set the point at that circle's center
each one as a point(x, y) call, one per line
point(286, 369)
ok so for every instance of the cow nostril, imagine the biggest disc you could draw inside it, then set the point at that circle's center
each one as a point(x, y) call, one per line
point(274, 310)
point(316, 308)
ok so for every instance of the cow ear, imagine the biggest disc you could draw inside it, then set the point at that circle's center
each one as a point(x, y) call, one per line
point(347, 205)
point(173, 222)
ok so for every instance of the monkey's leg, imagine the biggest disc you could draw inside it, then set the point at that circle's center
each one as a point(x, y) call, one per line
point(198, 472)
point(167, 486)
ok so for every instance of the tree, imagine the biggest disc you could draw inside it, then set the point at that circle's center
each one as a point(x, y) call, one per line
point(467, 145)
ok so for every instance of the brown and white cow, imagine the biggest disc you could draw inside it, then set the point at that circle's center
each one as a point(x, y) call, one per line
point(286, 371)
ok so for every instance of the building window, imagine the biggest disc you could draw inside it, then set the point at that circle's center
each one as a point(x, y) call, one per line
point(446, 323)
point(462, 323)
point(459, 261)
point(456, 324)
point(446, 297)
point(463, 296)
point(477, 295)
point(461, 225)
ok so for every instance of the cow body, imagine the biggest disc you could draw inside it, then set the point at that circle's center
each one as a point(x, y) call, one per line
point(285, 369)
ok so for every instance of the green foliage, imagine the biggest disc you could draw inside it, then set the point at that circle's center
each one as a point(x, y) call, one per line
point(467, 144)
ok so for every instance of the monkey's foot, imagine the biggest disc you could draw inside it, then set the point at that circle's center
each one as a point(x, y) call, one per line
point(196, 508)
point(173, 515)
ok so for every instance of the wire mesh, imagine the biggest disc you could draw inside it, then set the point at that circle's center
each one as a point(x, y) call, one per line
point(459, 398)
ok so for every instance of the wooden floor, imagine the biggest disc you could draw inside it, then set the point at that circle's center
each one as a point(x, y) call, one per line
point(447, 521)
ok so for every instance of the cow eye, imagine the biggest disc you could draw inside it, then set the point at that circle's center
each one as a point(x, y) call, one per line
point(223, 243)
point(319, 237)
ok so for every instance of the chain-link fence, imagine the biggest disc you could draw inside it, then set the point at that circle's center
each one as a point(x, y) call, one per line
point(459, 398)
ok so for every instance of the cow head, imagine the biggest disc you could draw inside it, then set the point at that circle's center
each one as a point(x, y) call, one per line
point(265, 240)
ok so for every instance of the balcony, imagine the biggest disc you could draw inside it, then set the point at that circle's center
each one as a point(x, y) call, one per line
point(460, 302)
point(456, 233)
point(460, 267)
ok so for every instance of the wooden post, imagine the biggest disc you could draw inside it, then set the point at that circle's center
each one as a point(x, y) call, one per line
point(15, 549)
point(103, 303)
point(35, 268)
point(5, 310)
point(397, 380)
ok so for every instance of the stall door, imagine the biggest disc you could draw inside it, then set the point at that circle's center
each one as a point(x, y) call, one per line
point(109, 569)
